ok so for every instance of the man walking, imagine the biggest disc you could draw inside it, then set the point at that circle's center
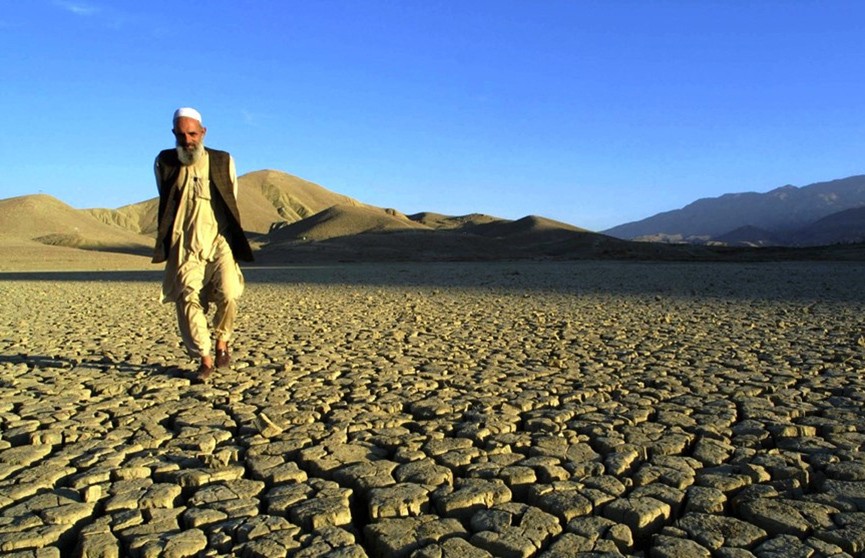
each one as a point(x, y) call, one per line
point(200, 239)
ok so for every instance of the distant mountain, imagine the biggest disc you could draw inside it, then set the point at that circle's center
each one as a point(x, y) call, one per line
point(844, 227)
point(781, 213)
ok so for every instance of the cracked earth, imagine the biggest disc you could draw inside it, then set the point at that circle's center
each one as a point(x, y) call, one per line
point(441, 410)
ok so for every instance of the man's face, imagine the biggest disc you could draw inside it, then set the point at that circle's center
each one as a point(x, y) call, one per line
point(189, 133)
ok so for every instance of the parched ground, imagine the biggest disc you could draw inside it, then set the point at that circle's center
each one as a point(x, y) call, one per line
point(441, 410)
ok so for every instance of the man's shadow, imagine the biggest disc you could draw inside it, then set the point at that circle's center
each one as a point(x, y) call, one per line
point(103, 363)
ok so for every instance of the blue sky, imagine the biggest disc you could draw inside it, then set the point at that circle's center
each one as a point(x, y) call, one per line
point(595, 113)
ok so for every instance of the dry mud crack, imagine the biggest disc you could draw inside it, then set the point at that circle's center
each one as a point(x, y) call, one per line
point(442, 410)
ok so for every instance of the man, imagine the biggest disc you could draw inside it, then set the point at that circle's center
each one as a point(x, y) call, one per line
point(200, 239)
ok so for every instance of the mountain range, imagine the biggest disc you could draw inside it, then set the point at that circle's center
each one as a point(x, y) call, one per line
point(819, 214)
point(292, 220)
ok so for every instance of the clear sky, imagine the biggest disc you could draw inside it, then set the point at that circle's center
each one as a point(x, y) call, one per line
point(595, 113)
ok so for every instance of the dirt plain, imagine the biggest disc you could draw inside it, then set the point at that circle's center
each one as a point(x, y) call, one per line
point(525, 409)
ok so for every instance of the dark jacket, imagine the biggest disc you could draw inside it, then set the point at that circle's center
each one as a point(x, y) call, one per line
point(167, 171)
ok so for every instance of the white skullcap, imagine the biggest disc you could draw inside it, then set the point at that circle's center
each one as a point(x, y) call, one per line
point(187, 112)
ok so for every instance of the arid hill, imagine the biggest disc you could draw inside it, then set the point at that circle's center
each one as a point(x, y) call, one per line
point(138, 218)
point(40, 232)
point(47, 220)
point(343, 220)
point(266, 198)
point(291, 220)
point(287, 218)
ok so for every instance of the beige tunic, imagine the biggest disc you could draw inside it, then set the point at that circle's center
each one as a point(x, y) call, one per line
point(196, 238)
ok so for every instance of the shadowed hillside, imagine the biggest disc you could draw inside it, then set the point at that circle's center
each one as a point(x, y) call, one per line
point(749, 236)
point(444, 222)
point(843, 227)
point(343, 220)
point(528, 229)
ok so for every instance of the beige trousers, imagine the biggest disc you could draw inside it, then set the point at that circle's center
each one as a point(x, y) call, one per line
point(219, 282)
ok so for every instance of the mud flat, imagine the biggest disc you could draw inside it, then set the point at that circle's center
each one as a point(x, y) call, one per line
point(441, 410)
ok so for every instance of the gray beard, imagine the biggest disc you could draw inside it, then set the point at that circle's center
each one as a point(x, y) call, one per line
point(188, 157)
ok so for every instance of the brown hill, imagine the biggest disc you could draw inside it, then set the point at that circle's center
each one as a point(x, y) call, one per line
point(292, 196)
point(21, 254)
point(343, 220)
point(266, 199)
point(138, 217)
point(47, 220)
point(364, 234)
point(269, 199)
